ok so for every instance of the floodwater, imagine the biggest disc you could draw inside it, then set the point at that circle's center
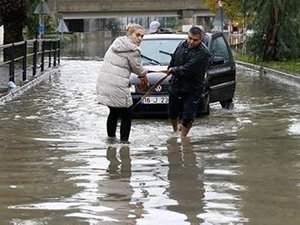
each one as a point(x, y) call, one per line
point(238, 167)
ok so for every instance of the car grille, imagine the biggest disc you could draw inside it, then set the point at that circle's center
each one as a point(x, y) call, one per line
point(159, 90)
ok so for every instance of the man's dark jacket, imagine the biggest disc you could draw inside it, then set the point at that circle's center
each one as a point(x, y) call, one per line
point(189, 66)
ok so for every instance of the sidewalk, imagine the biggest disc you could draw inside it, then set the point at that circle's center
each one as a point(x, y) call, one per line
point(282, 76)
point(4, 76)
point(22, 86)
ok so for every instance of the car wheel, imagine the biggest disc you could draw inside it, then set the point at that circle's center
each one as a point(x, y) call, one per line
point(227, 104)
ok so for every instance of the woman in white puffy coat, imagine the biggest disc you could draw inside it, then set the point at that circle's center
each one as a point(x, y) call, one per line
point(113, 84)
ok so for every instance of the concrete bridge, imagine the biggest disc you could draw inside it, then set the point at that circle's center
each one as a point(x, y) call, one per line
point(191, 11)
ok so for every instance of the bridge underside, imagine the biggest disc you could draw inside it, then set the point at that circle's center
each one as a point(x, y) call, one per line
point(74, 11)
point(174, 13)
point(93, 9)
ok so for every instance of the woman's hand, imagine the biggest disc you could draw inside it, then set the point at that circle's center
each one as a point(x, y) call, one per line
point(143, 83)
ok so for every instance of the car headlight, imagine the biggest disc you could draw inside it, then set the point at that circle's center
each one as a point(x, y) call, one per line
point(132, 88)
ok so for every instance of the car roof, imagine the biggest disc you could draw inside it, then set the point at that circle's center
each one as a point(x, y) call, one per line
point(164, 36)
point(168, 36)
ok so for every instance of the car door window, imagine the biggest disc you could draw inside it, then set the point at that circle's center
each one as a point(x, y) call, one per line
point(219, 48)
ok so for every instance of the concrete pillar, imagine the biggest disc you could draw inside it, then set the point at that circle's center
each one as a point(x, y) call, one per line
point(188, 17)
point(205, 21)
point(1, 35)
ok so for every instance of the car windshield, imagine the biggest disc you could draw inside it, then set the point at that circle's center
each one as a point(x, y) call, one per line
point(158, 50)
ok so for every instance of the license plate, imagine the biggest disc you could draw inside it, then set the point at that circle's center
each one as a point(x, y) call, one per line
point(156, 100)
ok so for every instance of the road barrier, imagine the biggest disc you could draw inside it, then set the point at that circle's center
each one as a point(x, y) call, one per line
point(28, 56)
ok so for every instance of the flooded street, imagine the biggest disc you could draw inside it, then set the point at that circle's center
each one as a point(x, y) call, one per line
point(239, 167)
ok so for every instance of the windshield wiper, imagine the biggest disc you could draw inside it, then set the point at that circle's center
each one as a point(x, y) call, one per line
point(167, 53)
point(152, 61)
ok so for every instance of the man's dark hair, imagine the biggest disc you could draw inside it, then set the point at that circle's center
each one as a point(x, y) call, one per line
point(196, 30)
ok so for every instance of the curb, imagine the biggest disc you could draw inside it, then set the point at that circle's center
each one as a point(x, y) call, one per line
point(20, 90)
point(288, 78)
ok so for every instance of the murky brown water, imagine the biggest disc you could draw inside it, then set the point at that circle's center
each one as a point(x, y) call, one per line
point(239, 167)
point(90, 45)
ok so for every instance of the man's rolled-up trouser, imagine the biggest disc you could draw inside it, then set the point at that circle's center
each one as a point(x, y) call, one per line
point(184, 106)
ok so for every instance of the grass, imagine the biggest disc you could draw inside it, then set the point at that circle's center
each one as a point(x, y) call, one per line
point(289, 66)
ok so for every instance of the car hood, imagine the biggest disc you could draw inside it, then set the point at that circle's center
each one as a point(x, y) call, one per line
point(152, 77)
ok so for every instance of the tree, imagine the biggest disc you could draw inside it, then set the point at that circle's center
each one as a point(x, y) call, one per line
point(13, 15)
point(231, 7)
point(32, 21)
point(16, 14)
point(276, 25)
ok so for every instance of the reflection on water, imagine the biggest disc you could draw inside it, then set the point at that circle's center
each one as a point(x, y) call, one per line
point(186, 179)
point(238, 167)
point(92, 45)
point(294, 128)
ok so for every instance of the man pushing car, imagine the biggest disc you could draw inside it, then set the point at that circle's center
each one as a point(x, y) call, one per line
point(188, 66)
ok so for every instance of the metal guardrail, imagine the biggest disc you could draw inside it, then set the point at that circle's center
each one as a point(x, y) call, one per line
point(29, 55)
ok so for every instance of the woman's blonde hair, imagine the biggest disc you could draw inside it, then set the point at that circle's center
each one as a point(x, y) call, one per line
point(132, 27)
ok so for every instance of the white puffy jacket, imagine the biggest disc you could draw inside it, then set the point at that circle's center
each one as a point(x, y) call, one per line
point(122, 58)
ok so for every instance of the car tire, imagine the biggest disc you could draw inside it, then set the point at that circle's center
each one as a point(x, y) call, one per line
point(227, 104)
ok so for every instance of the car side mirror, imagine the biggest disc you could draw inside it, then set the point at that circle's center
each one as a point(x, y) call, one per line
point(217, 60)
